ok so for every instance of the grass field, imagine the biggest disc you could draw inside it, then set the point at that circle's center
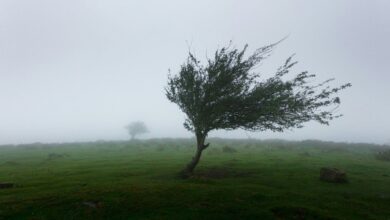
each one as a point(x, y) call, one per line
point(137, 180)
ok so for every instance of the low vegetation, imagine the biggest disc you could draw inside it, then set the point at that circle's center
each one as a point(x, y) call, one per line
point(384, 155)
point(227, 149)
point(271, 179)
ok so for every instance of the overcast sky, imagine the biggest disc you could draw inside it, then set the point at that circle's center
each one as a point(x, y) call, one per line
point(80, 70)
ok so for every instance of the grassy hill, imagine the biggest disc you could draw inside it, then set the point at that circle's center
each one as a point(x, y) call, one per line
point(271, 179)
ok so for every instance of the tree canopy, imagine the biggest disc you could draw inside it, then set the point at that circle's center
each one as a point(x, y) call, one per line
point(228, 93)
point(136, 128)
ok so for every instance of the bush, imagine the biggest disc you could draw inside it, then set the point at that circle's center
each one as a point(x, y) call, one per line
point(383, 155)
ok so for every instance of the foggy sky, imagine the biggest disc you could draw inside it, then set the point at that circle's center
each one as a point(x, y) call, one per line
point(80, 70)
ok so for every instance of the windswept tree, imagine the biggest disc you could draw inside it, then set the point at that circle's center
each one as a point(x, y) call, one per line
point(136, 128)
point(227, 93)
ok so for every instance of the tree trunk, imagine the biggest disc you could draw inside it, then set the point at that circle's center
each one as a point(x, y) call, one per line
point(189, 169)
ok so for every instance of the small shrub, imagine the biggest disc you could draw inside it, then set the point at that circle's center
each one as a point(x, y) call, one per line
point(227, 149)
point(383, 155)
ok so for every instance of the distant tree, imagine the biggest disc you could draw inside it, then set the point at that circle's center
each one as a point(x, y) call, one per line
point(225, 93)
point(136, 128)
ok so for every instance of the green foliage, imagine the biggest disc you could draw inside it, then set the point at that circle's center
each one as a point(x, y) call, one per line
point(226, 93)
point(136, 128)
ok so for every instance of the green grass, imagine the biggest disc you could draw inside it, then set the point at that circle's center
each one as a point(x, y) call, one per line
point(137, 180)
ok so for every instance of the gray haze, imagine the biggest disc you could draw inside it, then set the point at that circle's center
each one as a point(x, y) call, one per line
point(80, 70)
